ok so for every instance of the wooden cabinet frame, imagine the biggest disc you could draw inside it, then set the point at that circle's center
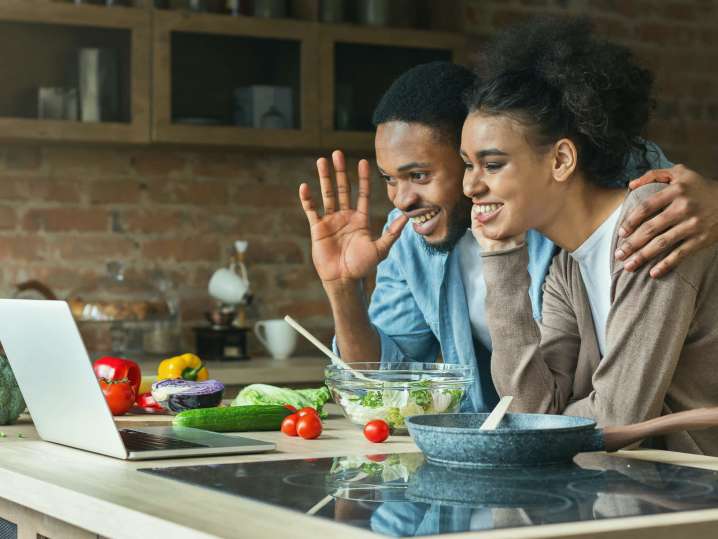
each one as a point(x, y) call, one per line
point(330, 35)
point(163, 130)
point(138, 22)
point(151, 82)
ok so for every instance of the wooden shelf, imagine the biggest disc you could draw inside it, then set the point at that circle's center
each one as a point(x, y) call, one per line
point(62, 18)
point(301, 54)
point(301, 33)
point(422, 45)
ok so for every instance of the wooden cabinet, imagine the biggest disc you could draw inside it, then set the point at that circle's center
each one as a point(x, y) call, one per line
point(358, 64)
point(202, 61)
point(40, 42)
point(194, 78)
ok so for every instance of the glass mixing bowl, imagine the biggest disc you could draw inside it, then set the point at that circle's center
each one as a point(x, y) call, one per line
point(395, 391)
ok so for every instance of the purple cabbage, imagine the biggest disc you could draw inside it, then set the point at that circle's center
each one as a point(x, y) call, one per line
point(178, 395)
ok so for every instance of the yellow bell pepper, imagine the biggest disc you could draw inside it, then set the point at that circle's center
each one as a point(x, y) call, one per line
point(186, 366)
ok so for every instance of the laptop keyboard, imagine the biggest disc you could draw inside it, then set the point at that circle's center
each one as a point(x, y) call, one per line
point(135, 440)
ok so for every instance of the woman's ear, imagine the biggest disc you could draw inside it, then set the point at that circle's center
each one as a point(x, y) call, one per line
point(565, 160)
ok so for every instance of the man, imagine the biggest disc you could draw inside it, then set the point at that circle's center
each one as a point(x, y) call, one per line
point(429, 295)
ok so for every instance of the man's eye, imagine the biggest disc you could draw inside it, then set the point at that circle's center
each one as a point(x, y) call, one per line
point(418, 176)
point(493, 167)
point(468, 166)
point(388, 179)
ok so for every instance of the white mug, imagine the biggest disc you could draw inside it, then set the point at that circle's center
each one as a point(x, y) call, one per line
point(278, 337)
point(226, 286)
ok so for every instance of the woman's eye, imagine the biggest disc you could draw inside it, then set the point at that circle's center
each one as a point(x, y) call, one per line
point(493, 167)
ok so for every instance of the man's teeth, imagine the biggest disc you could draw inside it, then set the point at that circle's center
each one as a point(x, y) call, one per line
point(487, 208)
point(425, 217)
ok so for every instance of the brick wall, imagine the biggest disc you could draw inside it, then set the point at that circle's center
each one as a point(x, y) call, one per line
point(66, 210)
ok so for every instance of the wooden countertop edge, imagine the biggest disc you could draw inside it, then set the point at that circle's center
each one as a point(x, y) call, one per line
point(107, 496)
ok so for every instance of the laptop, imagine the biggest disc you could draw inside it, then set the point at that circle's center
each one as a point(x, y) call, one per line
point(55, 375)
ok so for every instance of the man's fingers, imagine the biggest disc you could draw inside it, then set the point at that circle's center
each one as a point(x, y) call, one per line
point(305, 195)
point(325, 181)
point(662, 175)
point(646, 209)
point(675, 257)
point(390, 235)
point(343, 186)
point(647, 232)
point(658, 245)
point(364, 187)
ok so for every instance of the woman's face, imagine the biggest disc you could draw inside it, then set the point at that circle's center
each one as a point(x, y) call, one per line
point(509, 182)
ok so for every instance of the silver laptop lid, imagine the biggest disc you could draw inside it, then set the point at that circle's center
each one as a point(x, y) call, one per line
point(52, 368)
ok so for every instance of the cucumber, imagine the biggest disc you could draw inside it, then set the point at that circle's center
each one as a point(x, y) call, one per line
point(234, 418)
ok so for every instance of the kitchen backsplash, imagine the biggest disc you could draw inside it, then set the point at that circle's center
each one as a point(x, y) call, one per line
point(65, 211)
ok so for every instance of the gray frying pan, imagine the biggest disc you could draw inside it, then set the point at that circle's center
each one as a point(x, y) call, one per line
point(535, 439)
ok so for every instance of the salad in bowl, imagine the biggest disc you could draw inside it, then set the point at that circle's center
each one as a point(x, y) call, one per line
point(394, 391)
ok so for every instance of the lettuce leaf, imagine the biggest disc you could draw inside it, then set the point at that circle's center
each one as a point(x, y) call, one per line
point(299, 398)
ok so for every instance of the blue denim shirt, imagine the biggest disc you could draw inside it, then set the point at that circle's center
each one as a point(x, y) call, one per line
point(419, 307)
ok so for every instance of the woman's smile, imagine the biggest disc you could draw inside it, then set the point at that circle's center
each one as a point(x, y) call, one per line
point(483, 213)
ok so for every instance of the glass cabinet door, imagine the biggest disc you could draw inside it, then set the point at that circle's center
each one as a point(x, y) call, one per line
point(74, 72)
point(235, 80)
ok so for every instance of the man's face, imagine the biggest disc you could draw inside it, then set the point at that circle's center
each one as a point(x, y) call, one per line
point(423, 177)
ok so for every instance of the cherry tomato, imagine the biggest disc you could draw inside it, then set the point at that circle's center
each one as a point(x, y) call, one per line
point(289, 425)
point(376, 431)
point(309, 427)
point(307, 410)
point(120, 394)
point(290, 407)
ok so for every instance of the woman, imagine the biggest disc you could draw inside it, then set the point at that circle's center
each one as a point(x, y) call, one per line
point(547, 135)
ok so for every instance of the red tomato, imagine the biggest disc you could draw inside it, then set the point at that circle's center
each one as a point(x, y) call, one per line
point(376, 458)
point(376, 431)
point(307, 410)
point(289, 425)
point(119, 394)
point(309, 426)
point(290, 407)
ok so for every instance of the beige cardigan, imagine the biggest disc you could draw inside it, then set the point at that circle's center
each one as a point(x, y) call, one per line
point(661, 340)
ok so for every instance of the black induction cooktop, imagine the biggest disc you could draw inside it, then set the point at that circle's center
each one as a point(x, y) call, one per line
point(402, 495)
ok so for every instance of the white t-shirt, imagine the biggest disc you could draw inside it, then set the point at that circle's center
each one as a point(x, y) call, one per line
point(473, 277)
point(594, 260)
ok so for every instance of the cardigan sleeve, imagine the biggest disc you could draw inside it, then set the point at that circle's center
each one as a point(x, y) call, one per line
point(533, 363)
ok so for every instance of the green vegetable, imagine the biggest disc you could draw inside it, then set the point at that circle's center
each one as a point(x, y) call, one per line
point(372, 399)
point(299, 398)
point(234, 418)
point(394, 418)
point(11, 402)
point(456, 395)
point(422, 395)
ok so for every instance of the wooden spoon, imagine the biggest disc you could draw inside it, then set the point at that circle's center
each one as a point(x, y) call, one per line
point(497, 414)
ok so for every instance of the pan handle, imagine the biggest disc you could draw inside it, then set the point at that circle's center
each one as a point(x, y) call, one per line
point(702, 418)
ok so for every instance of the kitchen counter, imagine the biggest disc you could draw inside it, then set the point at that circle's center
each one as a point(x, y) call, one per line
point(58, 492)
point(264, 370)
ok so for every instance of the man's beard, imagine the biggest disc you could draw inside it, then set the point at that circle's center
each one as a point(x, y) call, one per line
point(459, 219)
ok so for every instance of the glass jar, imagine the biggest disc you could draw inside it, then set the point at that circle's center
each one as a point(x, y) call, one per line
point(126, 317)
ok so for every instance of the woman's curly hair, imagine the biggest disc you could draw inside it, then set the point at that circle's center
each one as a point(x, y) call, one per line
point(556, 77)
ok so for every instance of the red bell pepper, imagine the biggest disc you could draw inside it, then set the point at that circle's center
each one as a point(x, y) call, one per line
point(117, 368)
point(148, 403)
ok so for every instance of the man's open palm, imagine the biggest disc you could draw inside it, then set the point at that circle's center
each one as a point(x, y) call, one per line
point(342, 246)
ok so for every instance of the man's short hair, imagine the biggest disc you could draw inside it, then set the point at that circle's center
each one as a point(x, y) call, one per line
point(430, 94)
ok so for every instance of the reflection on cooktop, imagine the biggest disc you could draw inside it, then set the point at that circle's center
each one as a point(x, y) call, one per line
point(402, 495)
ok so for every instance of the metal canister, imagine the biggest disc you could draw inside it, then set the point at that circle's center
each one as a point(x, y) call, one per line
point(98, 71)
